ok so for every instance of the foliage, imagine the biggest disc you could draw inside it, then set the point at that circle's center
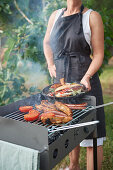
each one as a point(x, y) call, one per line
point(25, 40)
point(11, 84)
point(108, 27)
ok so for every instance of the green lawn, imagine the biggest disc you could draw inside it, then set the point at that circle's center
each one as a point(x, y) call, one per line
point(107, 85)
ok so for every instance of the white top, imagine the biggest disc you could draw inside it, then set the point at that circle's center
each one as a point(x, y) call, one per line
point(85, 23)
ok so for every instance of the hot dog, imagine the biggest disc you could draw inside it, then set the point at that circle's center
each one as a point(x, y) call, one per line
point(77, 105)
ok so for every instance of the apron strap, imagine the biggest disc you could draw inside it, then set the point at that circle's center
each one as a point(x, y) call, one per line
point(81, 8)
point(80, 20)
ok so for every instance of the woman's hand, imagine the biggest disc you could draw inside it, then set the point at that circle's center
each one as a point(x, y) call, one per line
point(52, 70)
point(86, 82)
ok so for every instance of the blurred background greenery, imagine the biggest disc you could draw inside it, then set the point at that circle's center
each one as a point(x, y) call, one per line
point(23, 69)
point(22, 28)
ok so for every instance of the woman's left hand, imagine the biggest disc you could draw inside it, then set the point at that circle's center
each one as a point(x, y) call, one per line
point(86, 82)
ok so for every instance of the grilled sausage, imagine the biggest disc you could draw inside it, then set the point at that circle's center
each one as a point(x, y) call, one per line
point(78, 105)
point(67, 85)
point(62, 107)
point(77, 108)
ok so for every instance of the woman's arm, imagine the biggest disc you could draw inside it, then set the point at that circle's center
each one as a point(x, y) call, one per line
point(97, 42)
point(47, 49)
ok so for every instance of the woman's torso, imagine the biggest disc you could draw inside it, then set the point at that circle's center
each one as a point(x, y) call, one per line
point(85, 23)
point(69, 40)
point(71, 51)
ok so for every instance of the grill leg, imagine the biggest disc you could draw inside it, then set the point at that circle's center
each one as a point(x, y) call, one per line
point(95, 153)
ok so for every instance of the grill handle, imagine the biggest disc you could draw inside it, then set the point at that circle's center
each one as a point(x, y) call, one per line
point(74, 126)
point(99, 106)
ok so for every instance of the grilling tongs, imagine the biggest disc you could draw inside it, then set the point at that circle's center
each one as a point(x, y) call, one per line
point(81, 124)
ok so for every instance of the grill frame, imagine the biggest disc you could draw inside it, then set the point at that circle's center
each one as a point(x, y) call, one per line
point(37, 136)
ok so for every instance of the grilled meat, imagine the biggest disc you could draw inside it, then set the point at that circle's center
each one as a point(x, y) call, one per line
point(54, 86)
point(62, 107)
point(55, 119)
point(62, 81)
point(45, 116)
point(67, 119)
point(67, 85)
point(45, 106)
point(39, 107)
point(58, 113)
point(48, 104)
point(77, 106)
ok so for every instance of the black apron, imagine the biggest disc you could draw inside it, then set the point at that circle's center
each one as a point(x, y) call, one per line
point(71, 54)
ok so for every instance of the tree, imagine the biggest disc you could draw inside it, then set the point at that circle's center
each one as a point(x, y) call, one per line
point(24, 25)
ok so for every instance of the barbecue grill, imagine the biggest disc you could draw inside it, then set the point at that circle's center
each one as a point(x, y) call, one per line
point(52, 146)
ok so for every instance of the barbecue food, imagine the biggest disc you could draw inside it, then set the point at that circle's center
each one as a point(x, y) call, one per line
point(67, 119)
point(67, 85)
point(25, 108)
point(45, 116)
point(32, 115)
point(54, 86)
point(58, 113)
point(45, 106)
point(62, 107)
point(61, 119)
point(39, 107)
point(68, 89)
point(48, 104)
point(55, 119)
point(62, 81)
point(77, 106)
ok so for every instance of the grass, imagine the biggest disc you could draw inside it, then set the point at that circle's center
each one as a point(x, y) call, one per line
point(107, 85)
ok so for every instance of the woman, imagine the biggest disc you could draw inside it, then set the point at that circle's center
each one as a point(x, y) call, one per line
point(71, 35)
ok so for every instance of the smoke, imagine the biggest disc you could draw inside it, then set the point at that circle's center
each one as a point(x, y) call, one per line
point(33, 73)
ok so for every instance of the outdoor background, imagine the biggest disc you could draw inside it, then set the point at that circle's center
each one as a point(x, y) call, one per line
point(23, 69)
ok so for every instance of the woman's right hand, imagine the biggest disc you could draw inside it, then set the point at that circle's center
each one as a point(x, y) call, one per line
point(52, 70)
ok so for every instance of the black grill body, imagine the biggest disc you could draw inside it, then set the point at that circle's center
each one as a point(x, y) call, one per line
point(53, 147)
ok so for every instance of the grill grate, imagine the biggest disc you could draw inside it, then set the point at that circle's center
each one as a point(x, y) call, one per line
point(77, 115)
